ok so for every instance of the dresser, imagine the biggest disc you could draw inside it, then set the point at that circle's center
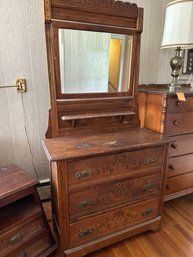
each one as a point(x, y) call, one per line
point(106, 187)
point(107, 174)
point(163, 112)
point(24, 230)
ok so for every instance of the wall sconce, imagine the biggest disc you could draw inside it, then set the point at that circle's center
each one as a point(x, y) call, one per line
point(178, 34)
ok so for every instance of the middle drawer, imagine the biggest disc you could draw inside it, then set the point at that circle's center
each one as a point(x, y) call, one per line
point(113, 194)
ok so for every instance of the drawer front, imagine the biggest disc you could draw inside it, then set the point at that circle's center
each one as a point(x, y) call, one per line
point(179, 183)
point(36, 248)
point(102, 167)
point(180, 165)
point(174, 105)
point(110, 195)
point(179, 123)
point(113, 221)
point(182, 145)
point(16, 236)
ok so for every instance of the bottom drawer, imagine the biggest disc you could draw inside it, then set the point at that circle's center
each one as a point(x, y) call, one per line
point(179, 185)
point(41, 245)
point(116, 220)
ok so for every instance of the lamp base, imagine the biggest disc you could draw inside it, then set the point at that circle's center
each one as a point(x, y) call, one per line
point(176, 63)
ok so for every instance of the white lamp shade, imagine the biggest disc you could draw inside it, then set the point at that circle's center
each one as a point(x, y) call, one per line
point(178, 28)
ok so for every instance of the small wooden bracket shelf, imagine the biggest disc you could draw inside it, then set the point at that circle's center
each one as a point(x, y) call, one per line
point(76, 117)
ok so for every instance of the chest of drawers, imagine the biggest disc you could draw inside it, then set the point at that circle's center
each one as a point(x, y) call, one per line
point(24, 230)
point(106, 187)
point(161, 111)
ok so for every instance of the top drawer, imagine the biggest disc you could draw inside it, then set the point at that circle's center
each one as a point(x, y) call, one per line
point(174, 105)
point(96, 168)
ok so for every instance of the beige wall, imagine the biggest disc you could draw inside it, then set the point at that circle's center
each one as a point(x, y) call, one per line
point(23, 118)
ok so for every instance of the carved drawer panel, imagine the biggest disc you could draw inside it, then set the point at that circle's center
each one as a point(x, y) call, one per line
point(179, 165)
point(113, 221)
point(177, 184)
point(179, 123)
point(18, 235)
point(174, 105)
point(110, 195)
point(102, 167)
point(182, 145)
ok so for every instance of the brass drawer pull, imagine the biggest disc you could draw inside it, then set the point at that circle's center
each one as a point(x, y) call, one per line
point(150, 161)
point(84, 204)
point(174, 146)
point(15, 239)
point(147, 212)
point(176, 123)
point(149, 187)
point(22, 255)
point(84, 174)
point(86, 232)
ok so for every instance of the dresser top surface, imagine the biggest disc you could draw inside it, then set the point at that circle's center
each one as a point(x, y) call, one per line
point(160, 89)
point(83, 146)
point(14, 179)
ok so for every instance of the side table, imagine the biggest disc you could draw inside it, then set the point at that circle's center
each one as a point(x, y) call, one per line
point(24, 230)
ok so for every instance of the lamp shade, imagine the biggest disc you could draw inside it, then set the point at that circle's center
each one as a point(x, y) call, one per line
point(178, 27)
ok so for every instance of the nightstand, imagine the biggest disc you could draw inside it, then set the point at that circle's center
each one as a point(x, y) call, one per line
point(24, 230)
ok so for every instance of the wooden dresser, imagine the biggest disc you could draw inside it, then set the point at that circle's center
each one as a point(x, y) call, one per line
point(24, 230)
point(107, 174)
point(163, 112)
point(106, 187)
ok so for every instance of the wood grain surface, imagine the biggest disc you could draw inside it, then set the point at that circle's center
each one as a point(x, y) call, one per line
point(175, 239)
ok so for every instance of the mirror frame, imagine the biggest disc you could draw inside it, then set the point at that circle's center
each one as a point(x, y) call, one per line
point(92, 15)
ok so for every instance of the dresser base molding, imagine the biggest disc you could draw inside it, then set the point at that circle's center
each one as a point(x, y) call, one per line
point(153, 225)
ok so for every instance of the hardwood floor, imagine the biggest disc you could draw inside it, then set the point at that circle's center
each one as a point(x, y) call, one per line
point(175, 239)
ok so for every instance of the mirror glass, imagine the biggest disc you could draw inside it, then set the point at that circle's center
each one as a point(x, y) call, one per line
point(94, 61)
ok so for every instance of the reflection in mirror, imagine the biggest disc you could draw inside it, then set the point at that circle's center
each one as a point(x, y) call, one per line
point(94, 61)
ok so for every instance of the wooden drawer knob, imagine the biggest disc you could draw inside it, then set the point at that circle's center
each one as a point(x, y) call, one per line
point(168, 186)
point(176, 123)
point(174, 146)
point(170, 166)
point(179, 103)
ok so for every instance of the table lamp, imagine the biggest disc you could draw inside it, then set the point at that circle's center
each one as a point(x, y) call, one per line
point(178, 34)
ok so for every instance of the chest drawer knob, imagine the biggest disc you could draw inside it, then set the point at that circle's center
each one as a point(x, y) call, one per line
point(147, 211)
point(176, 123)
point(170, 166)
point(86, 232)
point(15, 239)
point(149, 187)
point(174, 146)
point(84, 174)
point(84, 204)
point(168, 186)
point(179, 103)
